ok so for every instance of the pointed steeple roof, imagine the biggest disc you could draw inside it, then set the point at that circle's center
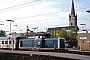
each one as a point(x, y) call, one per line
point(72, 9)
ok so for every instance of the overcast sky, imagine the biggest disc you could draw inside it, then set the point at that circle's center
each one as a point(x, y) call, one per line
point(41, 13)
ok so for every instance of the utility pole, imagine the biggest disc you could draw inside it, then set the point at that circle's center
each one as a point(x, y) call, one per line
point(27, 32)
point(10, 33)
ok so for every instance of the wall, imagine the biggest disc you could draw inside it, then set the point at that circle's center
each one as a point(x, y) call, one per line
point(83, 41)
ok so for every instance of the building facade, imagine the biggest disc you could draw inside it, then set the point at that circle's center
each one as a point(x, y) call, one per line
point(84, 40)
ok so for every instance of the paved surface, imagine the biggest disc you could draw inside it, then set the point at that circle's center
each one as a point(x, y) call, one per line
point(64, 55)
point(73, 49)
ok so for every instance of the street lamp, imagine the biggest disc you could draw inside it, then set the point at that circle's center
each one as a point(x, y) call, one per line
point(10, 24)
point(89, 33)
point(88, 12)
point(83, 25)
point(10, 33)
point(82, 37)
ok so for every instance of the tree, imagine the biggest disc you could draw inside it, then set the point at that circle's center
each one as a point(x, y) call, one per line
point(2, 33)
point(57, 33)
point(72, 37)
point(72, 34)
point(63, 33)
point(52, 34)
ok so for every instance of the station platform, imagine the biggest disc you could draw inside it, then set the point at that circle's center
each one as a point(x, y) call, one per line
point(54, 54)
point(77, 51)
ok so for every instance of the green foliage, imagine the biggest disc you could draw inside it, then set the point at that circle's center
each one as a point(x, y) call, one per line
point(52, 33)
point(57, 33)
point(63, 33)
point(71, 34)
point(2, 33)
point(23, 37)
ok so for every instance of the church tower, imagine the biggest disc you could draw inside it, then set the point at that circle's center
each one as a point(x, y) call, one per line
point(72, 16)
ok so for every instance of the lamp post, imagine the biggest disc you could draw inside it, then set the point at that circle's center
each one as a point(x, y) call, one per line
point(10, 33)
point(88, 11)
point(89, 33)
point(10, 24)
point(83, 25)
point(82, 47)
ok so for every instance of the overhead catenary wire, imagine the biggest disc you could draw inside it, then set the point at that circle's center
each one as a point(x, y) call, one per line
point(33, 4)
point(19, 28)
point(47, 14)
point(38, 15)
point(17, 5)
point(23, 5)
point(41, 20)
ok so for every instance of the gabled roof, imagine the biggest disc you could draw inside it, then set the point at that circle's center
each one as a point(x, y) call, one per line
point(66, 27)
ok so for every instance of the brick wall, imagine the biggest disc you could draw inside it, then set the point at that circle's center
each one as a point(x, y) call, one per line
point(83, 41)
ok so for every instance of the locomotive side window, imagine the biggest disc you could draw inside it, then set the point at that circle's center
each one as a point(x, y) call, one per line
point(13, 42)
point(6, 42)
point(2, 42)
point(9, 42)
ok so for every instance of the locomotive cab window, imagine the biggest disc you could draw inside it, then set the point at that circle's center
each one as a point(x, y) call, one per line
point(6, 42)
point(2, 42)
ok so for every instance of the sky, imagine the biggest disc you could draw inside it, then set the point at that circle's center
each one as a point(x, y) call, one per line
point(41, 14)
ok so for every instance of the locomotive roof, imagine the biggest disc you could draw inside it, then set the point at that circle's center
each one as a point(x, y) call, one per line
point(3, 38)
point(51, 39)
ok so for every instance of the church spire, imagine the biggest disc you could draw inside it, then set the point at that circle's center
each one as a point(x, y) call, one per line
point(72, 9)
point(72, 16)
